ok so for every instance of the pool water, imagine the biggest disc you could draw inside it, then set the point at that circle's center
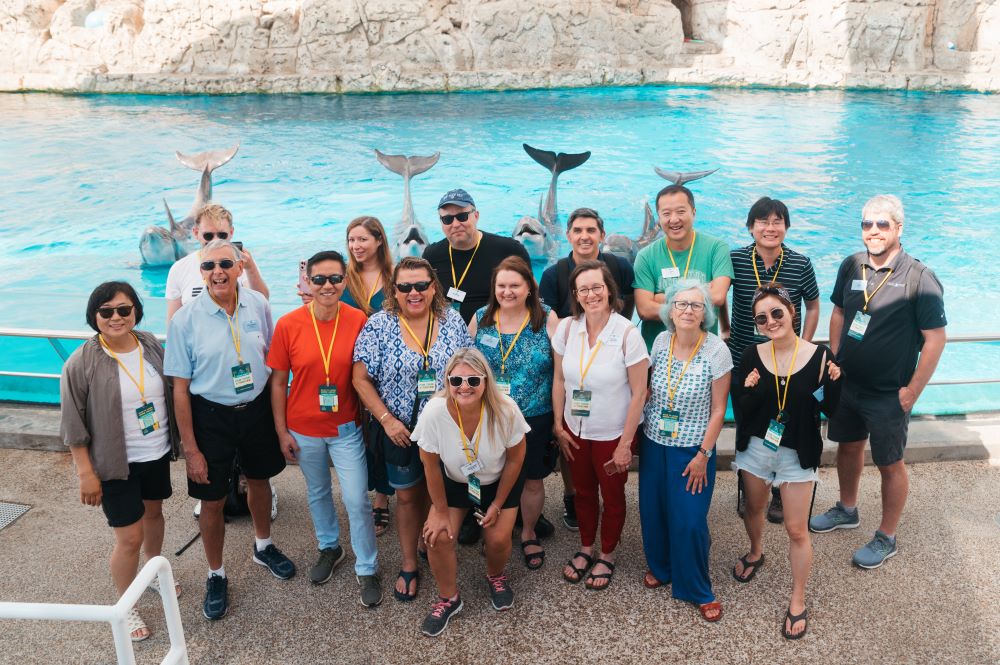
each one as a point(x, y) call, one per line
point(82, 176)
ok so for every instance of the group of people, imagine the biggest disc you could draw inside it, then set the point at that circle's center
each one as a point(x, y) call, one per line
point(457, 383)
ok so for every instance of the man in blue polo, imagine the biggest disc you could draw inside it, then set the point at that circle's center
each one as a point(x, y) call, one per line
point(216, 350)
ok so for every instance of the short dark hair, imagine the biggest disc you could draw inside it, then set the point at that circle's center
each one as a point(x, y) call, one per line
point(325, 255)
point(585, 212)
point(675, 189)
point(107, 291)
point(764, 208)
point(609, 283)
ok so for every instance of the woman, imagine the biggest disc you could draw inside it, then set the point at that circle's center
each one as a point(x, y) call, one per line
point(513, 332)
point(599, 387)
point(399, 362)
point(778, 442)
point(317, 420)
point(117, 419)
point(689, 388)
point(474, 434)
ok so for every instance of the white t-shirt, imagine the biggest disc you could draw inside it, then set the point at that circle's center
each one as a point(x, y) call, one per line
point(156, 444)
point(607, 379)
point(184, 280)
point(437, 432)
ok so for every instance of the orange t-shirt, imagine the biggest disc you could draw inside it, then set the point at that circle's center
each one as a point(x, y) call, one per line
point(294, 348)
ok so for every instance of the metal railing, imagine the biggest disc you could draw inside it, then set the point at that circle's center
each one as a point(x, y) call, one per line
point(117, 614)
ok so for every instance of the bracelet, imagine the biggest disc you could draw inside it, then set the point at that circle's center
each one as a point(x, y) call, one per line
point(383, 417)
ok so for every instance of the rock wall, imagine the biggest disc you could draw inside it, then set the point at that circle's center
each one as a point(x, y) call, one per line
point(228, 46)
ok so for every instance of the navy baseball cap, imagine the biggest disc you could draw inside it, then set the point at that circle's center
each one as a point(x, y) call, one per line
point(457, 197)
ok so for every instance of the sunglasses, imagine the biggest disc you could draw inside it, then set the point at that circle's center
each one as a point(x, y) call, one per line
point(406, 287)
point(460, 216)
point(225, 264)
point(209, 236)
point(456, 381)
point(108, 312)
point(883, 224)
point(320, 280)
point(777, 314)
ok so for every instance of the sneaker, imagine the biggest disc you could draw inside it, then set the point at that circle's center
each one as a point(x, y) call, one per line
point(874, 554)
point(775, 511)
point(470, 531)
point(274, 502)
point(501, 595)
point(329, 558)
point(835, 518)
point(543, 527)
point(440, 614)
point(272, 559)
point(569, 513)
point(216, 597)
point(371, 590)
point(197, 510)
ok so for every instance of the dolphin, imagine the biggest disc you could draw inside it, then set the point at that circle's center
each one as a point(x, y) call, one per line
point(628, 249)
point(159, 246)
point(408, 234)
point(681, 177)
point(556, 164)
point(538, 242)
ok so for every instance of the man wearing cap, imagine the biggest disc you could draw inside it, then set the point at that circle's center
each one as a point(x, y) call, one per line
point(888, 331)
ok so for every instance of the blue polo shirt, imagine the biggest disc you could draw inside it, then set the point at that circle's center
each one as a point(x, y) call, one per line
point(200, 346)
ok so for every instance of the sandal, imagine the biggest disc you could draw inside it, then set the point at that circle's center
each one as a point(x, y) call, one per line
point(408, 577)
point(579, 571)
point(793, 619)
point(656, 584)
point(155, 586)
point(381, 518)
point(135, 623)
point(534, 560)
point(751, 566)
point(714, 606)
point(600, 576)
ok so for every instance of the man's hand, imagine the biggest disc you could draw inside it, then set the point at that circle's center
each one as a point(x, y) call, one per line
point(289, 447)
point(197, 467)
point(907, 398)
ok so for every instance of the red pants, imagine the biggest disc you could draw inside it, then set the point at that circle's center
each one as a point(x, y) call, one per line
point(587, 469)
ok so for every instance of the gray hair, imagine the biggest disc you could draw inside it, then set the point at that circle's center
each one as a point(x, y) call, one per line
point(884, 203)
point(708, 322)
point(218, 243)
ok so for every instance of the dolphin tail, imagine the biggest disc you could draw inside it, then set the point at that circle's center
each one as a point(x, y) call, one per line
point(556, 163)
point(407, 166)
point(681, 177)
point(209, 160)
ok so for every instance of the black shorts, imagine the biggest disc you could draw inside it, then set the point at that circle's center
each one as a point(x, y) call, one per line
point(541, 453)
point(122, 500)
point(458, 493)
point(225, 434)
point(877, 417)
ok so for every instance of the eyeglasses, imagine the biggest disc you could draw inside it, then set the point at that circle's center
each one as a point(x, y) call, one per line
point(883, 224)
point(456, 381)
point(681, 305)
point(597, 290)
point(406, 287)
point(225, 264)
point(108, 312)
point(460, 216)
point(320, 280)
point(777, 314)
point(768, 223)
point(211, 235)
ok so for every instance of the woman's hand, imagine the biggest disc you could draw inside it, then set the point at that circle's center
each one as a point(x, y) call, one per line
point(436, 524)
point(622, 458)
point(565, 441)
point(90, 489)
point(397, 431)
point(752, 379)
point(696, 475)
point(834, 370)
point(492, 515)
point(289, 447)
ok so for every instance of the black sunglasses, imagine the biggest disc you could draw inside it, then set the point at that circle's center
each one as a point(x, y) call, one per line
point(460, 216)
point(209, 236)
point(225, 264)
point(883, 224)
point(777, 314)
point(320, 280)
point(473, 381)
point(406, 287)
point(108, 312)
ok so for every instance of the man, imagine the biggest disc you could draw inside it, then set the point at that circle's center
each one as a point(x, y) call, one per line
point(887, 330)
point(184, 281)
point(767, 260)
point(216, 349)
point(684, 253)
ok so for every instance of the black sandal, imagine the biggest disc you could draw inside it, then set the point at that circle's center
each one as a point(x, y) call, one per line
point(579, 571)
point(602, 576)
point(408, 576)
point(534, 560)
point(792, 620)
point(752, 566)
point(381, 519)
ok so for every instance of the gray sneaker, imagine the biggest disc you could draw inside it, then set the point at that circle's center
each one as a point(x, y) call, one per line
point(874, 554)
point(329, 558)
point(371, 590)
point(835, 518)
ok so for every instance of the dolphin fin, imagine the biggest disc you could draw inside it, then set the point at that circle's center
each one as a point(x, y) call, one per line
point(210, 160)
point(175, 228)
point(556, 163)
point(681, 177)
point(539, 207)
point(407, 166)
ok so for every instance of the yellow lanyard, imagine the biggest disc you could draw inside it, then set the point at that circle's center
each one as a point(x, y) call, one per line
point(371, 294)
point(782, 400)
point(141, 383)
point(234, 331)
point(457, 284)
point(687, 265)
point(672, 389)
point(478, 433)
point(329, 352)
point(864, 276)
point(424, 351)
point(593, 354)
point(753, 261)
point(504, 356)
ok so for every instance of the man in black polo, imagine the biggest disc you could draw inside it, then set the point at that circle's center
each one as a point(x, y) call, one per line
point(888, 331)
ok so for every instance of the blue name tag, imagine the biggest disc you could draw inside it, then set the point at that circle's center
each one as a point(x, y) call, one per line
point(251, 325)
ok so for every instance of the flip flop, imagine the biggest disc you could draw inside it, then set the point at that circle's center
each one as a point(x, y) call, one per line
point(649, 576)
point(381, 518)
point(793, 619)
point(600, 576)
point(714, 606)
point(408, 577)
point(534, 560)
point(579, 571)
point(751, 566)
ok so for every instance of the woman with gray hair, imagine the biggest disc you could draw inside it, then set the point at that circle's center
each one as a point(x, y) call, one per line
point(689, 386)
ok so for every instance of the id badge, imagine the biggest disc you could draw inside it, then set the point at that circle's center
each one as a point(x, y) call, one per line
point(426, 383)
point(773, 437)
point(242, 378)
point(147, 418)
point(580, 404)
point(858, 285)
point(457, 295)
point(670, 422)
point(475, 490)
point(328, 398)
point(473, 467)
point(503, 383)
point(818, 394)
point(859, 326)
point(670, 273)
point(489, 341)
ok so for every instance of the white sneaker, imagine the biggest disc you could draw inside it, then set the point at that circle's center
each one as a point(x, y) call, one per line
point(274, 503)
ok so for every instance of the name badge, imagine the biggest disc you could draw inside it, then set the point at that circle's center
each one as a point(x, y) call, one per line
point(503, 384)
point(147, 418)
point(773, 437)
point(242, 378)
point(613, 339)
point(670, 422)
point(858, 285)
point(580, 404)
point(328, 399)
point(251, 325)
point(859, 326)
point(456, 294)
point(475, 490)
point(426, 383)
point(490, 341)
point(475, 466)
point(818, 394)
point(670, 273)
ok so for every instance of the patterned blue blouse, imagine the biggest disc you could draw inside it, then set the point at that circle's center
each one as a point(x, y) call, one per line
point(529, 365)
point(393, 366)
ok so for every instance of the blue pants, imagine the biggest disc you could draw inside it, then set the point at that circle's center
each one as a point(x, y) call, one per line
point(674, 522)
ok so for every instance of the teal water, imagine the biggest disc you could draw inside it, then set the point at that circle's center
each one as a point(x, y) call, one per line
point(82, 176)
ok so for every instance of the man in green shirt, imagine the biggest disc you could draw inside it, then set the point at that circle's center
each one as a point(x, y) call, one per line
point(684, 253)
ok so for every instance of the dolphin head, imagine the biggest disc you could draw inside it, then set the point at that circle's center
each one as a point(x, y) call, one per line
point(621, 246)
point(531, 233)
point(411, 242)
point(158, 247)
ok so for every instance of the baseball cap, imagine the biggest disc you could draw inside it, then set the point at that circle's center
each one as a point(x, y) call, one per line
point(457, 197)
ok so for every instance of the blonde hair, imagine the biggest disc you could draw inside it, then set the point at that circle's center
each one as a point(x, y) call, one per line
point(355, 284)
point(499, 410)
point(215, 212)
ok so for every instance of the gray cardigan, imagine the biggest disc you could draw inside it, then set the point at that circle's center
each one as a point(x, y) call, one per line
point(91, 405)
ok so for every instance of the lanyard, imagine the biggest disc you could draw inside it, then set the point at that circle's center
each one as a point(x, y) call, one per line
point(783, 400)
point(234, 331)
point(478, 433)
point(504, 356)
point(329, 352)
point(457, 284)
point(864, 276)
point(753, 261)
point(371, 294)
point(687, 265)
point(672, 390)
point(593, 354)
point(141, 383)
point(425, 348)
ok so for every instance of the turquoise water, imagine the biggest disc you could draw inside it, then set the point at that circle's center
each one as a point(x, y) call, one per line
point(82, 176)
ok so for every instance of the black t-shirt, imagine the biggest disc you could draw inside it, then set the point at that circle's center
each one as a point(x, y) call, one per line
point(911, 300)
point(555, 292)
point(492, 250)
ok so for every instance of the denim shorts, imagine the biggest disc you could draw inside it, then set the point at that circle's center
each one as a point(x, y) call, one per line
point(405, 477)
point(774, 467)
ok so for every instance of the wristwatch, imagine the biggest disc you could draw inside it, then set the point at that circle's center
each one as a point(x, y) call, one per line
point(706, 453)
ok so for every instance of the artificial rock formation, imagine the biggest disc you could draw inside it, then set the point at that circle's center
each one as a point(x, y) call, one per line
point(230, 46)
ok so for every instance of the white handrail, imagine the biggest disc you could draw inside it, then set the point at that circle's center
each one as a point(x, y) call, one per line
point(117, 614)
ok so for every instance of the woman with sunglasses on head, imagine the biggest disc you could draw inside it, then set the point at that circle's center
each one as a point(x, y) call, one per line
point(778, 441)
point(117, 419)
point(399, 362)
point(513, 332)
point(598, 390)
point(689, 388)
point(471, 439)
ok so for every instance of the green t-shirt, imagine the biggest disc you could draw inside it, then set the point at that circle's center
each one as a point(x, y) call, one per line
point(710, 259)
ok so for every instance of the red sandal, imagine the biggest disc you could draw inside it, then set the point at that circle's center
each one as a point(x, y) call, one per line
point(714, 606)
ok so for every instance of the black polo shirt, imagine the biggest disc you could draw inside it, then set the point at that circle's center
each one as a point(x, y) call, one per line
point(911, 300)
point(556, 295)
